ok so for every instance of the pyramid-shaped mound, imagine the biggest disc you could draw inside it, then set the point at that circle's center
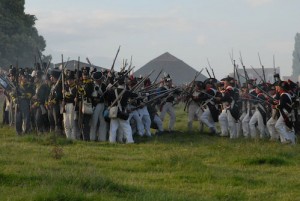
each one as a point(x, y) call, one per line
point(179, 71)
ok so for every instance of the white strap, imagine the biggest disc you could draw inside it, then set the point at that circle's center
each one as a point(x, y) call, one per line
point(118, 98)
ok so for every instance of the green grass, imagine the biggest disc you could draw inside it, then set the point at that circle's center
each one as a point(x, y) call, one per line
point(170, 167)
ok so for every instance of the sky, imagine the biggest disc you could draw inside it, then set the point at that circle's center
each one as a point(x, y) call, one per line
point(191, 30)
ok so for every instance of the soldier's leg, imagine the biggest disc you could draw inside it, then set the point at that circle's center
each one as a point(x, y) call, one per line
point(223, 121)
point(171, 112)
point(86, 127)
point(18, 121)
point(124, 124)
point(102, 130)
point(252, 123)
point(147, 124)
point(94, 122)
point(114, 124)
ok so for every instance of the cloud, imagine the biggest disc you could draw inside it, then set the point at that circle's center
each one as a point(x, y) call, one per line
point(201, 39)
point(257, 3)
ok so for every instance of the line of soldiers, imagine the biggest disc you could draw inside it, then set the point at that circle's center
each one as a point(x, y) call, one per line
point(252, 110)
point(102, 105)
point(86, 104)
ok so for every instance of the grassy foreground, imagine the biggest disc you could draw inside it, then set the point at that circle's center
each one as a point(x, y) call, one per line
point(169, 167)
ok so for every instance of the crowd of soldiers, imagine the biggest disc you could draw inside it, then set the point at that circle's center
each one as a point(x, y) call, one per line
point(86, 104)
point(251, 110)
point(112, 106)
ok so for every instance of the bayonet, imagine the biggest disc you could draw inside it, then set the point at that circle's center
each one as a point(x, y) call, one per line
point(263, 69)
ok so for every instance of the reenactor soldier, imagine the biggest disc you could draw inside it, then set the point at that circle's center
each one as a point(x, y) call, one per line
point(143, 110)
point(98, 131)
point(118, 100)
point(167, 104)
point(21, 97)
point(9, 104)
point(69, 106)
point(211, 112)
point(54, 102)
point(274, 135)
point(249, 95)
point(194, 105)
point(38, 102)
point(86, 90)
point(229, 117)
point(260, 114)
point(284, 124)
point(134, 117)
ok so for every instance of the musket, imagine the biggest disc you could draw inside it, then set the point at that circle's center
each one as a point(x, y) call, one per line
point(138, 85)
point(78, 102)
point(190, 86)
point(158, 75)
point(63, 82)
point(237, 73)
point(257, 73)
point(264, 92)
point(245, 72)
point(208, 72)
point(126, 73)
point(35, 63)
point(161, 95)
point(150, 88)
point(48, 66)
point(130, 64)
point(274, 64)
point(212, 70)
point(17, 85)
point(113, 64)
point(124, 65)
point(262, 67)
point(87, 59)
point(40, 57)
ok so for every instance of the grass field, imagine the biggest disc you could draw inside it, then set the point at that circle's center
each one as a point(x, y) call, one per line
point(170, 167)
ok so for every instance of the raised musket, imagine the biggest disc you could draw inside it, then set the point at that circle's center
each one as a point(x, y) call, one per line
point(263, 68)
point(257, 74)
point(212, 70)
point(208, 72)
point(138, 85)
point(274, 64)
point(237, 73)
point(244, 68)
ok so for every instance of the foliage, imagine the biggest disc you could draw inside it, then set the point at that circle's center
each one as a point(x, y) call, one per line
point(19, 39)
point(296, 57)
point(179, 166)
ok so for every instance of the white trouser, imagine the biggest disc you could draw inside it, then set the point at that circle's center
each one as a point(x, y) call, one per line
point(139, 125)
point(240, 128)
point(245, 125)
point(168, 108)
point(69, 121)
point(285, 133)
point(232, 125)
point(158, 122)
point(124, 125)
point(146, 120)
point(100, 132)
point(245, 122)
point(207, 119)
point(194, 113)
point(271, 126)
point(223, 121)
point(257, 118)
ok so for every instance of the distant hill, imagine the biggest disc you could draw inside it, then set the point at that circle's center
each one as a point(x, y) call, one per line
point(72, 65)
point(179, 71)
